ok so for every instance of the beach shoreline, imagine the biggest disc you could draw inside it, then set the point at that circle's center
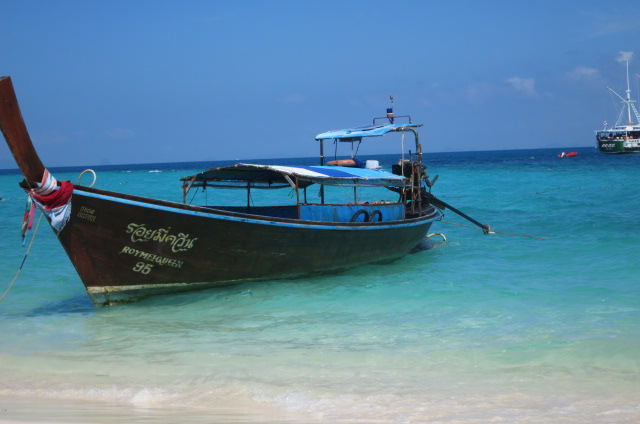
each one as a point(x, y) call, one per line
point(17, 409)
point(517, 407)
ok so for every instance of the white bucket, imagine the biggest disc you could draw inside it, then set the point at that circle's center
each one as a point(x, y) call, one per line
point(372, 164)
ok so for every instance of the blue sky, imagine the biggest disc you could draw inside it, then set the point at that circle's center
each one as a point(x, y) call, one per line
point(112, 82)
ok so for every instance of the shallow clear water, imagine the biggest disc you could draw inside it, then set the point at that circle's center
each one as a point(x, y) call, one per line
point(482, 328)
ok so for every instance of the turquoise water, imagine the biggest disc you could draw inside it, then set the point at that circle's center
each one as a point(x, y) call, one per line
point(482, 328)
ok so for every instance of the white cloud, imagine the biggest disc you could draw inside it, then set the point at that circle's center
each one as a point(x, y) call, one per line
point(624, 56)
point(606, 24)
point(583, 73)
point(526, 86)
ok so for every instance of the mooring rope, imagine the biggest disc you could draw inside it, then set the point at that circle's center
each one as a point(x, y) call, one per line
point(45, 191)
point(494, 231)
point(23, 260)
point(444, 238)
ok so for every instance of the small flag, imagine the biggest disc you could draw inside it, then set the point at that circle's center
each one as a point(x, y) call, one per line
point(390, 114)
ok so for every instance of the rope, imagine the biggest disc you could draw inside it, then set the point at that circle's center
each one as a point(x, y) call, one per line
point(95, 177)
point(23, 260)
point(495, 232)
point(437, 234)
point(194, 196)
point(46, 188)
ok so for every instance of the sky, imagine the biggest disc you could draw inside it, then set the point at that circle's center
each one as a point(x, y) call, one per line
point(150, 81)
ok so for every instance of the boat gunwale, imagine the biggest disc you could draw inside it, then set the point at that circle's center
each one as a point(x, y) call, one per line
point(211, 211)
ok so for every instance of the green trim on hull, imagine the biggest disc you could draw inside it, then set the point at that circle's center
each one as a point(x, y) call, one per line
point(616, 147)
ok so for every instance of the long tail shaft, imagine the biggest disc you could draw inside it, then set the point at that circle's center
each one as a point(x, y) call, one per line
point(443, 205)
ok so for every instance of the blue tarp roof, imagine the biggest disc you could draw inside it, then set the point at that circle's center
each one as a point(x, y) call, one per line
point(268, 175)
point(366, 131)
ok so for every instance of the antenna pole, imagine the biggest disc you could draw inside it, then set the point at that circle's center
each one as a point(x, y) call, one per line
point(628, 97)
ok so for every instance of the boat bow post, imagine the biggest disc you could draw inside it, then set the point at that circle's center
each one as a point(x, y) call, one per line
point(16, 134)
point(49, 195)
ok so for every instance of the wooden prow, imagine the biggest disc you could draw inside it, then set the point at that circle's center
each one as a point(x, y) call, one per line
point(16, 134)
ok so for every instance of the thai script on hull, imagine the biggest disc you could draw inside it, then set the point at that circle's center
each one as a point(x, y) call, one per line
point(179, 243)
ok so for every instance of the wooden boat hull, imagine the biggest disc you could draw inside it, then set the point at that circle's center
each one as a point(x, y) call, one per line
point(125, 247)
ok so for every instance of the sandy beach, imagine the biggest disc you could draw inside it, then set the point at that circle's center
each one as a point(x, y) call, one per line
point(14, 410)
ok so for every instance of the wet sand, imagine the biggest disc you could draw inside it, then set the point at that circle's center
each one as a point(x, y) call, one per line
point(14, 410)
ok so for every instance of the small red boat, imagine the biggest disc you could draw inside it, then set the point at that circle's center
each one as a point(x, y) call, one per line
point(567, 155)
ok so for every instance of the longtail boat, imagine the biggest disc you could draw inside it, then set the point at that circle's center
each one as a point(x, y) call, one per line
point(127, 247)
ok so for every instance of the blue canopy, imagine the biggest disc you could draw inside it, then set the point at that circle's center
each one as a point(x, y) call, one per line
point(356, 133)
point(244, 174)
